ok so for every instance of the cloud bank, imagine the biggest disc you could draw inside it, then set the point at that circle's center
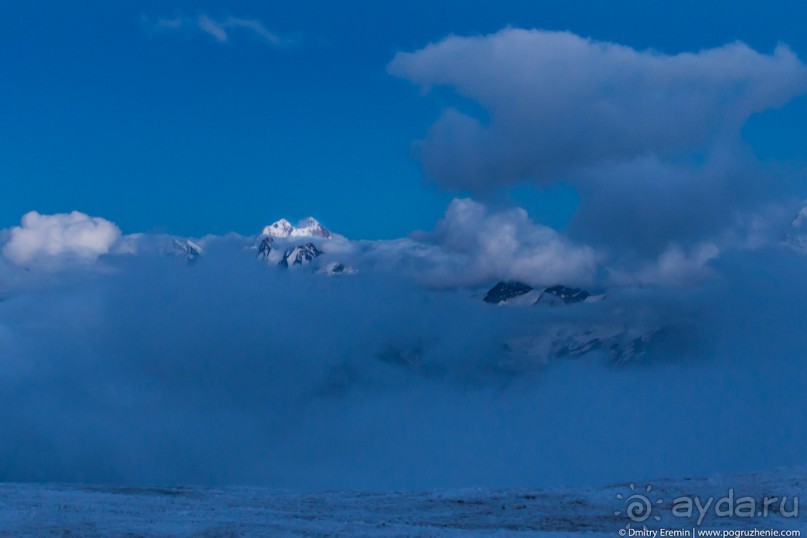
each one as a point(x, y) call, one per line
point(231, 370)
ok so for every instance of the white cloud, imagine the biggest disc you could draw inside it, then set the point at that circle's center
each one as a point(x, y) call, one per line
point(253, 25)
point(74, 235)
point(218, 28)
point(650, 141)
point(475, 245)
point(673, 267)
point(558, 102)
point(211, 27)
point(508, 244)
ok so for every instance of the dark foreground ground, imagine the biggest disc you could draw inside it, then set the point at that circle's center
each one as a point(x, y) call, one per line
point(90, 511)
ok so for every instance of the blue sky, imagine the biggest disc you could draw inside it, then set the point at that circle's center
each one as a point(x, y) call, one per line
point(175, 131)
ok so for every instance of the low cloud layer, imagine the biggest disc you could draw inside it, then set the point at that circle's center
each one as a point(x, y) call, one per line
point(72, 235)
point(232, 370)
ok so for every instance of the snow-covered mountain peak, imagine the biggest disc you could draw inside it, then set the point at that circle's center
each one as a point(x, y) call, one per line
point(280, 228)
point(507, 292)
point(309, 227)
point(184, 248)
point(514, 293)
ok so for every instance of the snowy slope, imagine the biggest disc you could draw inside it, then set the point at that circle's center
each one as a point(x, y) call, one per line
point(300, 255)
point(185, 248)
point(74, 510)
point(516, 293)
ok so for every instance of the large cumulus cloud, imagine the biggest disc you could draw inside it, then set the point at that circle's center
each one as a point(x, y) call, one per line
point(559, 102)
point(650, 141)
